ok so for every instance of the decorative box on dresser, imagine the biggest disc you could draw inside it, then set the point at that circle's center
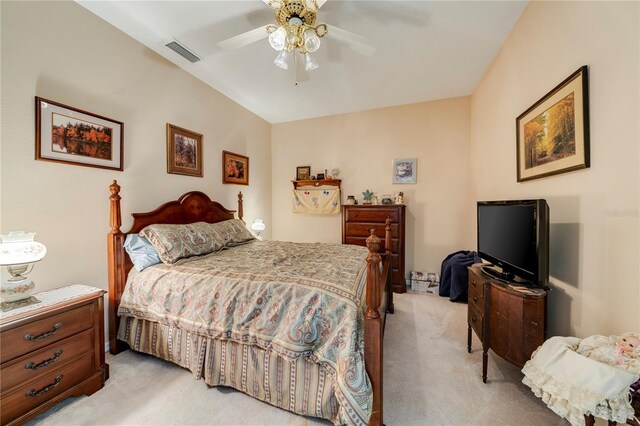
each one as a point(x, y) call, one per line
point(357, 222)
point(508, 318)
point(50, 351)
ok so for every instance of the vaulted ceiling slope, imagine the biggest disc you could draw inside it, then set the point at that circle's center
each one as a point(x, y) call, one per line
point(426, 50)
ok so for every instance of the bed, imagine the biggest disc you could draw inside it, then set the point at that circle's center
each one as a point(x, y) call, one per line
point(299, 326)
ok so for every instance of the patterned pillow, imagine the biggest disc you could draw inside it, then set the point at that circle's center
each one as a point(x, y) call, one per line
point(175, 242)
point(233, 232)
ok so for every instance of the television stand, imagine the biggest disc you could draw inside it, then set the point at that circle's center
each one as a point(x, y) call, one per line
point(508, 318)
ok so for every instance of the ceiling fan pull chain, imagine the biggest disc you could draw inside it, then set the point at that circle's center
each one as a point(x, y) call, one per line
point(295, 67)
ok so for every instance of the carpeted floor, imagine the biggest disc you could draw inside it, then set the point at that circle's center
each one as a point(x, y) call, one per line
point(429, 379)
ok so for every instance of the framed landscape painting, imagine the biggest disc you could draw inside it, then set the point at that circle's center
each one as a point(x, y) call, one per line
point(184, 151)
point(235, 168)
point(69, 135)
point(553, 134)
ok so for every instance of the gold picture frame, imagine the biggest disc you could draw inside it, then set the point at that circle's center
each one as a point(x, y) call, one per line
point(235, 168)
point(553, 134)
point(184, 151)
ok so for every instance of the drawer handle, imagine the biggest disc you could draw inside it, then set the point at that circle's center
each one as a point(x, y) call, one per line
point(534, 323)
point(473, 283)
point(45, 389)
point(33, 366)
point(473, 319)
point(57, 326)
point(475, 299)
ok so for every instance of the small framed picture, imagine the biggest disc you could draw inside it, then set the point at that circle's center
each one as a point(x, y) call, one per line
point(320, 176)
point(235, 168)
point(69, 135)
point(405, 170)
point(184, 151)
point(303, 172)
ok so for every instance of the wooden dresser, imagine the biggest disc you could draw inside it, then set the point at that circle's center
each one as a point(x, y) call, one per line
point(508, 319)
point(357, 221)
point(50, 351)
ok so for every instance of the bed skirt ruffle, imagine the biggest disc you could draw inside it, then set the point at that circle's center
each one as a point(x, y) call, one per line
point(299, 385)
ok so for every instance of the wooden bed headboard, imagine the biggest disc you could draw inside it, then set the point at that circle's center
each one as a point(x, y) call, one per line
point(191, 207)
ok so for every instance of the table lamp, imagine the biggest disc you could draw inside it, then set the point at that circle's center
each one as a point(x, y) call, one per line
point(18, 252)
point(258, 226)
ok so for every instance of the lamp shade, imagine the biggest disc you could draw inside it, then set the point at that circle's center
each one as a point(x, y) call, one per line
point(258, 225)
point(18, 248)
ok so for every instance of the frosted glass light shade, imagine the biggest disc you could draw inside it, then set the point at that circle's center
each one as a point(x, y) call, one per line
point(311, 41)
point(278, 38)
point(18, 248)
point(281, 60)
point(310, 63)
point(258, 225)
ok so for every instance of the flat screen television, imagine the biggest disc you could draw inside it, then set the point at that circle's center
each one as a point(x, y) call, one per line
point(514, 236)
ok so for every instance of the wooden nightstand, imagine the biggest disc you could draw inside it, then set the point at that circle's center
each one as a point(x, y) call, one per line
point(50, 351)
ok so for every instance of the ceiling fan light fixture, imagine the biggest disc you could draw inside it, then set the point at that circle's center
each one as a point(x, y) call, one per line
point(310, 63)
point(281, 59)
point(278, 38)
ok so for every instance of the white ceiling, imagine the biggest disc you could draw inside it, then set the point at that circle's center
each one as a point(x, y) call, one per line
point(426, 50)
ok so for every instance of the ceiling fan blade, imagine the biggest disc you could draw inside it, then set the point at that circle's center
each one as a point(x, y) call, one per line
point(245, 39)
point(353, 41)
point(319, 3)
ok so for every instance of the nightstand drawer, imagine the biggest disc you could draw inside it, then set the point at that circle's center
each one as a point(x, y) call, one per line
point(32, 394)
point(46, 359)
point(38, 334)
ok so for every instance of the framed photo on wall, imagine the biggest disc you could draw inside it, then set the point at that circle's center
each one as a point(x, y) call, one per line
point(553, 134)
point(235, 168)
point(303, 172)
point(405, 170)
point(69, 135)
point(184, 151)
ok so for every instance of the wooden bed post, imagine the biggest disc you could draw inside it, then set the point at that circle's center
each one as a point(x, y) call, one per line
point(373, 328)
point(240, 203)
point(387, 249)
point(115, 257)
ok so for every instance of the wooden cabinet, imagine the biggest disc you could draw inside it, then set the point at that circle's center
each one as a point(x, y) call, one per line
point(50, 351)
point(357, 221)
point(507, 318)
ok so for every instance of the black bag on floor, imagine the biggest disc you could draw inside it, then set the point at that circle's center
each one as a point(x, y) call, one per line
point(454, 276)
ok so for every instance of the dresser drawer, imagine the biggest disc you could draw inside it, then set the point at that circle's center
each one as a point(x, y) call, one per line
point(38, 334)
point(354, 229)
point(29, 395)
point(475, 320)
point(46, 359)
point(362, 241)
point(372, 214)
point(476, 290)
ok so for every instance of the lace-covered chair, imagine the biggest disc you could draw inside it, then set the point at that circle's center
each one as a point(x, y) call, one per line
point(580, 379)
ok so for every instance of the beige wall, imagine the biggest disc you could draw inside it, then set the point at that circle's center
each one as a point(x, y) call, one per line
point(60, 51)
point(362, 145)
point(594, 212)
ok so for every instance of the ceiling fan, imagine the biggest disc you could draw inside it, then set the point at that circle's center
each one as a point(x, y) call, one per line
point(296, 31)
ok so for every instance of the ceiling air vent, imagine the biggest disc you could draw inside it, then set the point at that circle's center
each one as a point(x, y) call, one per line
point(183, 51)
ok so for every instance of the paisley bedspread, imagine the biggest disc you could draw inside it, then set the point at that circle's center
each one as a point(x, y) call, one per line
point(296, 299)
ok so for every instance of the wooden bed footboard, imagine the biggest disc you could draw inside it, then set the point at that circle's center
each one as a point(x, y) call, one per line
point(195, 207)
